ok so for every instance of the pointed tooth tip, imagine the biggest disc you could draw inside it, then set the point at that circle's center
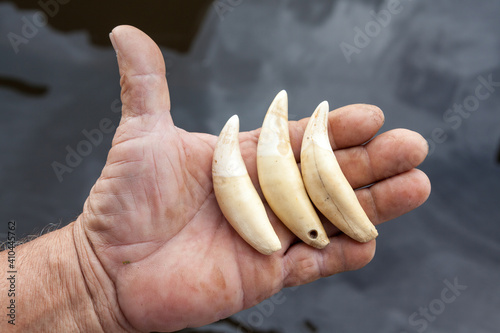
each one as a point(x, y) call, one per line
point(278, 107)
point(324, 105)
point(281, 96)
point(233, 122)
point(234, 119)
point(322, 108)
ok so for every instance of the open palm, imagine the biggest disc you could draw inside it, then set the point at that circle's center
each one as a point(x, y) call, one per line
point(155, 226)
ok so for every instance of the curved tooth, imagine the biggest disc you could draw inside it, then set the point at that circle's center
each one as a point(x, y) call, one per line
point(239, 201)
point(280, 179)
point(327, 186)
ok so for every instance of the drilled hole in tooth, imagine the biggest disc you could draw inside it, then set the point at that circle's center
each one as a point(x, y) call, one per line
point(313, 234)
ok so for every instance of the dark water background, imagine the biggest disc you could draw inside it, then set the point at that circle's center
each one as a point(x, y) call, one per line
point(233, 56)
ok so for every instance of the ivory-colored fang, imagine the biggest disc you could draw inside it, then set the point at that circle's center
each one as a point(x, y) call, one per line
point(326, 184)
point(238, 200)
point(280, 178)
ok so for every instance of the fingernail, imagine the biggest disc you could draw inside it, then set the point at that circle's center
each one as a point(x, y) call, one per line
point(113, 42)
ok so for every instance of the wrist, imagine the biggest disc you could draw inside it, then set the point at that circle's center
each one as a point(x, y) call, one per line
point(99, 287)
point(60, 286)
point(51, 294)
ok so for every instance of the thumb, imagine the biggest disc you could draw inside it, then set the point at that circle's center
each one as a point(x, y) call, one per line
point(142, 70)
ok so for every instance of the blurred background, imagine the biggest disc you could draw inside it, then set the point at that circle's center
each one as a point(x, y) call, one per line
point(432, 66)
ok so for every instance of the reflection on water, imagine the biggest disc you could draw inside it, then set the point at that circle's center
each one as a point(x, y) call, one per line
point(22, 86)
point(172, 23)
point(416, 67)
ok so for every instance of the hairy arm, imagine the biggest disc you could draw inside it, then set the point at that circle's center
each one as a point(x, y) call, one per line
point(45, 289)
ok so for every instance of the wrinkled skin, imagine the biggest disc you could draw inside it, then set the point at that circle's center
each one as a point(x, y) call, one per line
point(153, 222)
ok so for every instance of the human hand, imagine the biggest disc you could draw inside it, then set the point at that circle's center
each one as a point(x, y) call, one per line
point(154, 247)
